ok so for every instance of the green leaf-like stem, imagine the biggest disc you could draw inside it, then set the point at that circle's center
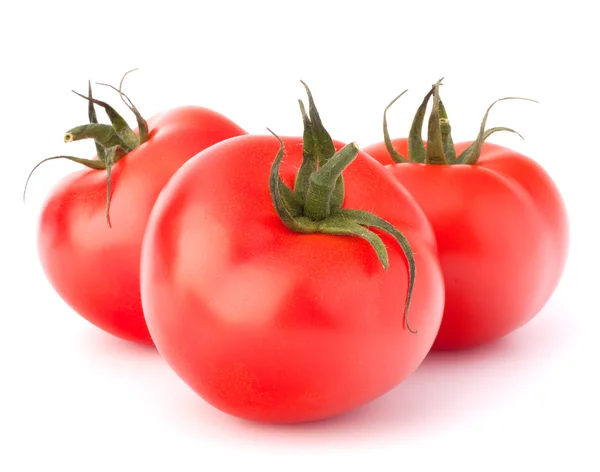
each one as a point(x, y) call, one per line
point(102, 134)
point(317, 205)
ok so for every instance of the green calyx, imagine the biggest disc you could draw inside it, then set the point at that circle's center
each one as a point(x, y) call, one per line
point(440, 146)
point(314, 205)
point(112, 141)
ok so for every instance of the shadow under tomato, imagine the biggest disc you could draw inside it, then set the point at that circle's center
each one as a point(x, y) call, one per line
point(102, 345)
point(448, 388)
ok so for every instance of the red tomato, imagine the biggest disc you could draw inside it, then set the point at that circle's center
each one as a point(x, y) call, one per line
point(272, 325)
point(94, 267)
point(502, 233)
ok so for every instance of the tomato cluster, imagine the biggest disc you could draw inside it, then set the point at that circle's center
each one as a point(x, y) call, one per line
point(290, 279)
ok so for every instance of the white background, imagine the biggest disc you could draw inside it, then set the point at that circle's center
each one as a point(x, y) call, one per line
point(77, 399)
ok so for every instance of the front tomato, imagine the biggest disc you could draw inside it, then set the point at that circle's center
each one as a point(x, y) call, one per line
point(280, 325)
point(92, 265)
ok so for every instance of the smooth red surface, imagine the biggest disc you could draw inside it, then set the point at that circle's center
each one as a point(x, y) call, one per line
point(94, 268)
point(502, 233)
point(271, 325)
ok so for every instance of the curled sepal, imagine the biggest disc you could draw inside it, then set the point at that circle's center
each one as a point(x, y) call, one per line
point(395, 155)
point(416, 148)
point(104, 135)
point(446, 130)
point(92, 164)
point(141, 122)
point(435, 146)
point(113, 155)
point(471, 154)
point(340, 225)
point(491, 131)
point(370, 220)
point(291, 200)
point(323, 183)
point(129, 140)
point(109, 165)
point(94, 119)
point(275, 188)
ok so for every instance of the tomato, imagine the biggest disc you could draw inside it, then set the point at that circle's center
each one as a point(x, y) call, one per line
point(274, 325)
point(94, 267)
point(502, 233)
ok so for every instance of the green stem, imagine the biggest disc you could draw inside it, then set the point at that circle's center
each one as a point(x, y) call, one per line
point(317, 205)
point(103, 134)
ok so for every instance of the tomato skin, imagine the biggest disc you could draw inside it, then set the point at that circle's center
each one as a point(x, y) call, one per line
point(95, 268)
point(271, 325)
point(502, 232)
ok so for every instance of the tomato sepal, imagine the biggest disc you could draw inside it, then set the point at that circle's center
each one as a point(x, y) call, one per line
point(113, 142)
point(440, 145)
point(315, 204)
point(472, 153)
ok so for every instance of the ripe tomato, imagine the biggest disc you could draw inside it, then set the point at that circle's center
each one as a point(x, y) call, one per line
point(502, 233)
point(94, 267)
point(270, 324)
